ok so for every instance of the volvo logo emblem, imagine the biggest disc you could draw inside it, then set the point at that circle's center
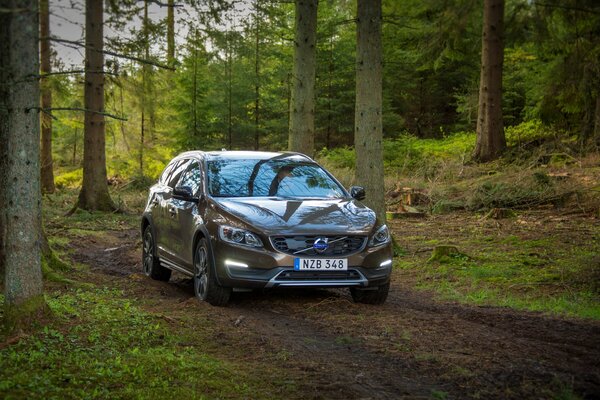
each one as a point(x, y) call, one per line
point(320, 245)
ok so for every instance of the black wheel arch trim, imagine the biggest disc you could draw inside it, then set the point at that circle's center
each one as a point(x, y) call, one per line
point(202, 232)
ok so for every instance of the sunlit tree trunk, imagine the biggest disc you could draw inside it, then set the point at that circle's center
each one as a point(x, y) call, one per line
point(302, 108)
point(20, 202)
point(490, 129)
point(94, 192)
point(368, 134)
point(47, 176)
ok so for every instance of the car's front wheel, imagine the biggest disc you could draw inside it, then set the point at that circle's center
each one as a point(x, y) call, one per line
point(150, 262)
point(370, 296)
point(206, 287)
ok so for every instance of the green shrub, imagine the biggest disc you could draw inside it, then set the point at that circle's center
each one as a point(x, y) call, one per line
point(527, 132)
point(71, 179)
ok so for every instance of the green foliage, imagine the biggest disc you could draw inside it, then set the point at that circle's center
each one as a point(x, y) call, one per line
point(528, 132)
point(409, 155)
point(69, 179)
point(101, 345)
point(535, 274)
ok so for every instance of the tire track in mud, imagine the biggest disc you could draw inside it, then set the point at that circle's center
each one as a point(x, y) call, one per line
point(503, 353)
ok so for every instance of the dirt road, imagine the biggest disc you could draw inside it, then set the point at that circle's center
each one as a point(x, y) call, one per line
point(411, 347)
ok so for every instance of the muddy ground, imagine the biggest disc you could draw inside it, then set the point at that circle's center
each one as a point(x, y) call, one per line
point(412, 347)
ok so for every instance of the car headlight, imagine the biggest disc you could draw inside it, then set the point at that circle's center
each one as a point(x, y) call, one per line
point(381, 236)
point(238, 236)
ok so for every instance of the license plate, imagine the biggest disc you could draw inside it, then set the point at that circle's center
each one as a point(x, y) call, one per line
point(320, 264)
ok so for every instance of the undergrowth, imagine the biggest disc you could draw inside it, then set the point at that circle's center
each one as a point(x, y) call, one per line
point(530, 174)
point(101, 345)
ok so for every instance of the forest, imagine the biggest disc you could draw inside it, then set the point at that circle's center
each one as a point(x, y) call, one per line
point(473, 126)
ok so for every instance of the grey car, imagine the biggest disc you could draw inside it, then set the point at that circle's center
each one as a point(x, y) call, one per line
point(239, 220)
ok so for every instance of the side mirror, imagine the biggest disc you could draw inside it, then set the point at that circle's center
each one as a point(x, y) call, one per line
point(184, 193)
point(358, 192)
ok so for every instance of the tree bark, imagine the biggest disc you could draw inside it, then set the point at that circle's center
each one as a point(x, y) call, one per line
point(491, 141)
point(47, 173)
point(257, 79)
point(302, 108)
point(228, 75)
point(94, 191)
point(171, 33)
point(20, 200)
point(597, 122)
point(368, 135)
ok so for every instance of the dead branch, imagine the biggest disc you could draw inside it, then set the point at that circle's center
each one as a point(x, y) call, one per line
point(76, 71)
point(109, 52)
point(48, 110)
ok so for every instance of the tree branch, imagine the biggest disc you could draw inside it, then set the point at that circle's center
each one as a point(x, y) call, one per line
point(161, 4)
point(110, 53)
point(77, 71)
point(50, 109)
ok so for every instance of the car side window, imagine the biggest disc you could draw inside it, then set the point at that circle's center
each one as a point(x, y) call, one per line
point(167, 171)
point(178, 170)
point(192, 177)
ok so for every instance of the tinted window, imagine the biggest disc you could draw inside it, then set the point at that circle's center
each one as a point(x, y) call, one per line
point(192, 177)
point(165, 175)
point(282, 177)
point(178, 169)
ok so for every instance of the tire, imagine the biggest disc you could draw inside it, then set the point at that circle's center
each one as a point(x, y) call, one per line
point(150, 262)
point(377, 296)
point(206, 287)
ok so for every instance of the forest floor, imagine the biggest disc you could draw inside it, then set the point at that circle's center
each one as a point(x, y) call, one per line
point(316, 344)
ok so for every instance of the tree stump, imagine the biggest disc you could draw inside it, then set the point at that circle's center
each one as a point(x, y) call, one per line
point(500, 213)
point(443, 252)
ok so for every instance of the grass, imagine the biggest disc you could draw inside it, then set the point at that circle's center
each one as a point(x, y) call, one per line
point(102, 345)
point(539, 274)
point(548, 266)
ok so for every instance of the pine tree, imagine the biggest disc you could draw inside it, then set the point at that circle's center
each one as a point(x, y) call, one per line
point(94, 191)
point(490, 128)
point(368, 137)
point(302, 107)
point(20, 202)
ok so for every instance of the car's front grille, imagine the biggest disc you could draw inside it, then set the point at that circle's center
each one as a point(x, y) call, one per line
point(350, 275)
point(302, 246)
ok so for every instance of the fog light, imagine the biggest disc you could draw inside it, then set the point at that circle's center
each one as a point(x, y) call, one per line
point(386, 263)
point(230, 263)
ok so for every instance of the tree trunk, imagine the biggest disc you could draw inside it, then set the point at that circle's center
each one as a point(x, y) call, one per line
point(20, 202)
point(94, 191)
point(142, 146)
point(74, 161)
point(171, 33)
point(302, 108)
point(257, 79)
point(368, 135)
point(490, 130)
point(147, 79)
point(330, 94)
point(47, 173)
point(229, 94)
point(195, 90)
point(597, 122)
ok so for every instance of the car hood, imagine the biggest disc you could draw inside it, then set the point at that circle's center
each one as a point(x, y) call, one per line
point(284, 216)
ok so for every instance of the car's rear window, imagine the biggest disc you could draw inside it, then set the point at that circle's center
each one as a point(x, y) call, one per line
point(277, 177)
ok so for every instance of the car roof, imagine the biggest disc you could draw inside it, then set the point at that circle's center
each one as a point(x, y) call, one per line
point(241, 154)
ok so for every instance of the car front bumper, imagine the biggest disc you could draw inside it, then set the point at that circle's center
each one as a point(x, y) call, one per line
point(241, 267)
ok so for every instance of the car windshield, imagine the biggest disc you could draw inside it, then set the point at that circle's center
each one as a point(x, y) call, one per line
point(282, 177)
